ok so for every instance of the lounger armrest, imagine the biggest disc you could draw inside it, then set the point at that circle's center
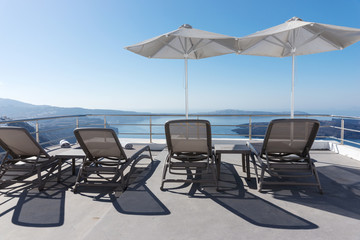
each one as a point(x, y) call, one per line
point(255, 148)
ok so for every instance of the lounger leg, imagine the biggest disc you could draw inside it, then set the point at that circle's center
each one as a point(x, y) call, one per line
point(208, 166)
point(163, 177)
point(247, 160)
point(166, 164)
point(255, 167)
point(150, 155)
point(122, 181)
point(218, 165)
point(214, 172)
point(262, 177)
point(59, 170)
point(41, 187)
point(77, 182)
point(316, 177)
point(2, 166)
point(243, 162)
point(127, 177)
point(73, 166)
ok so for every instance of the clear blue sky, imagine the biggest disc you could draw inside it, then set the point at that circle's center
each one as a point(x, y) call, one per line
point(70, 53)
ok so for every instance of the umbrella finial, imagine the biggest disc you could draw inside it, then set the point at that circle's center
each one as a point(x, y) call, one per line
point(294, 19)
point(185, 26)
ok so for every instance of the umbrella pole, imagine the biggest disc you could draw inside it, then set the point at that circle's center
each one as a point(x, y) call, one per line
point(292, 86)
point(186, 90)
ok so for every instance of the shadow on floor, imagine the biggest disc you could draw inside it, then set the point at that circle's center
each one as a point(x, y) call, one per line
point(45, 208)
point(138, 198)
point(232, 196)
point(236, 199)
point(106, 193)
point(341, 196)
point(38, 209)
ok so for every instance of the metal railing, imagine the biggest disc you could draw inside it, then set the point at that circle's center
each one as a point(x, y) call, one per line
point(150, 123)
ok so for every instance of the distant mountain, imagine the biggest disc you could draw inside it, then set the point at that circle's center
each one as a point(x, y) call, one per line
point(327, 128)
point(242, 112)
point(51, 131)
point(18, 110)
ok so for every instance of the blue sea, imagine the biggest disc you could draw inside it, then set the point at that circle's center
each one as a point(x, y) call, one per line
point(217, 126)
point(159, 122)
point(142, 130)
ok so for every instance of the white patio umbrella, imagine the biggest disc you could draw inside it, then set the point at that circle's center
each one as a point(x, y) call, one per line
point(297, 37)
point(185, 43)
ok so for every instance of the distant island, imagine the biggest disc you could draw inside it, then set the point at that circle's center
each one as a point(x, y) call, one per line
point(259, 128)
point(63, 127)
point(242, 112)
point(19, 110)
point(57, 128)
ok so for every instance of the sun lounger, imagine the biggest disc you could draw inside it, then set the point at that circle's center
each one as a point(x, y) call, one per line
point(105, 160)
point(190, 150)
point(24, 157)
point(284, 153)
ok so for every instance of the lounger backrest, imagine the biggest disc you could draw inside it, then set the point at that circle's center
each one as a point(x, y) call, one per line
point(99, 142)
point(19, 143)
point(290, 136)
point(188, 136)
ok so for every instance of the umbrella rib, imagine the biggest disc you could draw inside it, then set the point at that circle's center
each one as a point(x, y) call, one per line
point(250, 47)
point(311, 39)
point(324, 39)
point(183, 45)
point(193, 47)
point(331, 43)
point(281, 44)
point(167, 44)
point(210, 41)
point(285, 45)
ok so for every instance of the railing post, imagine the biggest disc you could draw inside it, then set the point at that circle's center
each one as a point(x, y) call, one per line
point(342, 131)
point(77, 125)
point(150, 125)
point(37, 132)
point(104, 121)
point(250, 128)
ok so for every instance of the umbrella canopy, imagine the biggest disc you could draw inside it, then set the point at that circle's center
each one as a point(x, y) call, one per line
point(185, 43)
point(297, 37)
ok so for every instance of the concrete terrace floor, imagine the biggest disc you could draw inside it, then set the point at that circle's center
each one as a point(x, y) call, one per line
point(192, 211)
